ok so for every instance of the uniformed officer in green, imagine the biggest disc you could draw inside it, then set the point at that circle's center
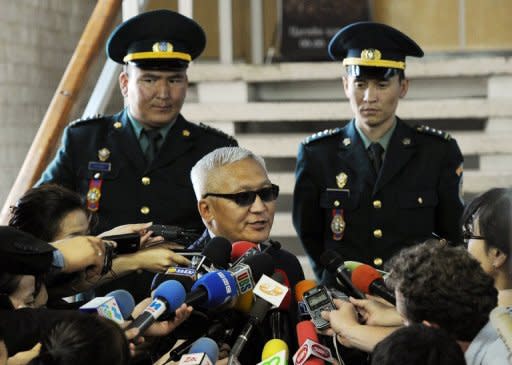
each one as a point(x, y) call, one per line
point(134, 166)
point(377, 184)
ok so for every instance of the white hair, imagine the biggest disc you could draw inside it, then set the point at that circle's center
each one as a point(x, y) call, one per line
point(200, 173)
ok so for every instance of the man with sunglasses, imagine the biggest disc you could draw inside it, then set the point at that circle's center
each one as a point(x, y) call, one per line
point(376, 185)
point(236, 200)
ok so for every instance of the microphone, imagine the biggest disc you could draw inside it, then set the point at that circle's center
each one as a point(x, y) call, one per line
point(333, 262)
point(244, 302)
point(369, 281)
point(167, 298)
point(250, 269)
point(106, 307)
point(204, 351)
point(240, 248)
point(278, 318)
point(216, 254)
point(256, 316)
point(300, 288)
point(310, 351)
point(125, 302)
point(212, 289)
point(501, 320)
point(276, 352)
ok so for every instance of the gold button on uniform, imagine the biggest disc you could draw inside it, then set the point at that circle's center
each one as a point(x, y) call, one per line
point(146, 180)
point(144, 210)
point(336, 203)
point(377, 204)
point(118, 125)
point(377, 233)
point(377, 261)
point(420, 200)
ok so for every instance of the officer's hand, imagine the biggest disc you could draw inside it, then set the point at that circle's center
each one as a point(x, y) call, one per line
point(376, 313)
point(158, 259)
point(81, 253)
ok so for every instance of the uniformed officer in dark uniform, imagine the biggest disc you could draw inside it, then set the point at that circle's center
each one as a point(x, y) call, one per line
point(376, 185)
point(135, 166)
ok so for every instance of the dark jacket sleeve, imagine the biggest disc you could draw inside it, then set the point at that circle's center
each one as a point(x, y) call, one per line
point(60, 170)
point(26, 259)
point(451, 205)
point(307, 214)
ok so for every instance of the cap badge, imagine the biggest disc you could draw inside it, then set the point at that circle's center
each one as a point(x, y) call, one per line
point(103, 154)
point(162, 47)
point(371, 54)
point(341, 180)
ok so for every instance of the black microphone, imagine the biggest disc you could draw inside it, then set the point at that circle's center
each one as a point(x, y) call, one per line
point(215, 255)
point(333, 262)
point(256, 316)
point(279, 318)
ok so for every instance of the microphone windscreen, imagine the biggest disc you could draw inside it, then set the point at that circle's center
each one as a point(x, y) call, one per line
point(287, 300)
point(305, 330)
point(363, 276)
point(173, 293)
point(303, 286)
point(272, 347)
point(261, 263)
point(239, 248)
point(124, 300)
point(206, 345)
point(331, 260)
point(244, 302)
point(218, 251)
point(220, 286)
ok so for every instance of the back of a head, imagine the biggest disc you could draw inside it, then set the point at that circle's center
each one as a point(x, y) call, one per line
point(418, 344)
point(40, 210)
point(84, 340)
point(444, 285)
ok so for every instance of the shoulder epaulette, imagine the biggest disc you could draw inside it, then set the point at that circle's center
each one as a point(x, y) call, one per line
point(425, 129)
point(322, 134)
point(85, 120)
point(218, 132)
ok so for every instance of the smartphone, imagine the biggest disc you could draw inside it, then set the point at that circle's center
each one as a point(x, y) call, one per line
point(126, 243)
point(318, 299)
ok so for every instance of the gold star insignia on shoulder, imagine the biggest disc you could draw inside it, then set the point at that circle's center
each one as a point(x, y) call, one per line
point(118, 125)
point(346, 142)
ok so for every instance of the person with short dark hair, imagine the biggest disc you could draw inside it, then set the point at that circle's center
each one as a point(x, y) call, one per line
point(84, 340)
point(418, 344)
point(375, 185)
point(487, 232)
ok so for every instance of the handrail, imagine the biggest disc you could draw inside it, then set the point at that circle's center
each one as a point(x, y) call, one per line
point(57, 114)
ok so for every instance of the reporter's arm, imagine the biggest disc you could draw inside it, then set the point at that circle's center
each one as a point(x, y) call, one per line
point(349, 332)
point(376, 313)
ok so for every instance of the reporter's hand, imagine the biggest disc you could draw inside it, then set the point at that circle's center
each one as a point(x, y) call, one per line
point(158, 258)
point(141, 228)
point(162, 328)
point(82, 253)
point(376, 313)
point(341, 319)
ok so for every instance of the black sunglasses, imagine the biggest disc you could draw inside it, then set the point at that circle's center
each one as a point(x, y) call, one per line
point(246, 198)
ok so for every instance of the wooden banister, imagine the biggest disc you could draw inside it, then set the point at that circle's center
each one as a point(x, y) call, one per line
point(57, 115)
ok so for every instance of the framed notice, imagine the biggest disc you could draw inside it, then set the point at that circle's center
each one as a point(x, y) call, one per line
point(308, 25)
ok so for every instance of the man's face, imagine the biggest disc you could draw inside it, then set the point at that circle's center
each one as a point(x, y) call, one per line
point(374, 101)
point(226, 218)
point(154, 97)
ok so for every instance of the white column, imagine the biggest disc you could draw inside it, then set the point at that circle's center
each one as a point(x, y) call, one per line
point(256, 32)
point(186, 7)
point(225, 32)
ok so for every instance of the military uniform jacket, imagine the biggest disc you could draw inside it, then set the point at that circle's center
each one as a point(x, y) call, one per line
point(132, 192)
point(415, 194)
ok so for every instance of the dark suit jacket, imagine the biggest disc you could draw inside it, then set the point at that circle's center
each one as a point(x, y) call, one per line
point(166, 191)
point(416, 193)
